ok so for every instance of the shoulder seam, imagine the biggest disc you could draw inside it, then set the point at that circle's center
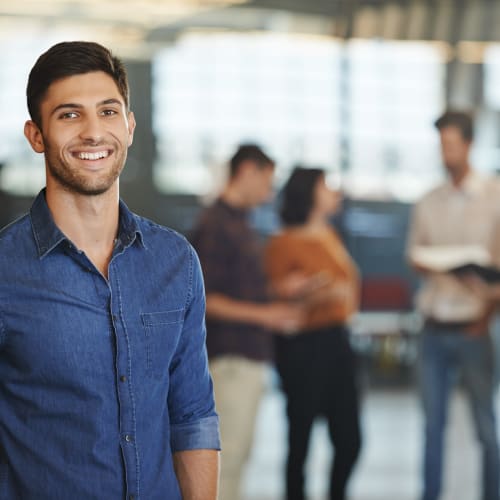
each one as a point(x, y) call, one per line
point(190, 294)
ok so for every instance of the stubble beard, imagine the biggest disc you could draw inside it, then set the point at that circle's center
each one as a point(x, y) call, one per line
point(72, 180)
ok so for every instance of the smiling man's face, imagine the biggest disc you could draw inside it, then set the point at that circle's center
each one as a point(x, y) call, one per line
point(85, 133)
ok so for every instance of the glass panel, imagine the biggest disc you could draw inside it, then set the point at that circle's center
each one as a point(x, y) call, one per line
point(212, 92)
point(395, 92)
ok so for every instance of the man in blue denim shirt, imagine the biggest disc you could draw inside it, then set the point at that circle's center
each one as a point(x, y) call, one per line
point(104, 386)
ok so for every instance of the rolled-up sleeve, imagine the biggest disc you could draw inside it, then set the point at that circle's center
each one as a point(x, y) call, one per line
point(203, 434)
point(193, 420)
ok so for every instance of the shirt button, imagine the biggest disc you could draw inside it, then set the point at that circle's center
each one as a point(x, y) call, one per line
point(123, 378)
point(128, 438)
point(131, 497)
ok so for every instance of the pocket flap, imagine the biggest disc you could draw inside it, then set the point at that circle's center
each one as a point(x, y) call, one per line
point(162, 318)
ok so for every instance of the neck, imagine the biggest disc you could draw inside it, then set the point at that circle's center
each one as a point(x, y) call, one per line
point(313, 225)
point(234, 196)
point(90, 222)
point(317, 221)
point(457, 178)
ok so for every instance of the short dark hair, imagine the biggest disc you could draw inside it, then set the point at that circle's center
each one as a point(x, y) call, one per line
point(459, 119)
point(68, 59)
point(297, 196)
point(249, 152)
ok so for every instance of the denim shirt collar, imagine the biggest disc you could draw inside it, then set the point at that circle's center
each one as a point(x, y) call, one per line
point(48, 236)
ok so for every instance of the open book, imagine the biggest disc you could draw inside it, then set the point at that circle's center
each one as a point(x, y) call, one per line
point(457, 259)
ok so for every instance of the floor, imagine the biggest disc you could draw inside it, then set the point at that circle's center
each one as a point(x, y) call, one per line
point(389, 465)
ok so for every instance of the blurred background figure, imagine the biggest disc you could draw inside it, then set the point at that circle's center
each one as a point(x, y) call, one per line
point(317, 365)
point(462, 212)
point(239, 317)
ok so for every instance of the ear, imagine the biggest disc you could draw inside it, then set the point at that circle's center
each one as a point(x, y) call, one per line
point(131, 127)
point(34, 136)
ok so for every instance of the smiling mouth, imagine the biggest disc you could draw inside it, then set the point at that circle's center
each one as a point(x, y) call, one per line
point(98, 155)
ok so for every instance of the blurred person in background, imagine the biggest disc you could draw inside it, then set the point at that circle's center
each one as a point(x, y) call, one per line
point(240, 316)
point(317, 365)
point(463, 211)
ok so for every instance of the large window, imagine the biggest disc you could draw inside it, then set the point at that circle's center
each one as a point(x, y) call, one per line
point(488, 154)
point(212, 92)
point(492, 76)
point(394, 92)
point(363, 108)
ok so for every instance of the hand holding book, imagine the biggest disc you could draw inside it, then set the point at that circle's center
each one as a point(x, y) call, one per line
point(488, 274)
point(470, 263)
point(460, 260)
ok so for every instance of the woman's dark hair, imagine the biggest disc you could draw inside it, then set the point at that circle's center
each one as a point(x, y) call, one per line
point(68, 59)
point(297, 196)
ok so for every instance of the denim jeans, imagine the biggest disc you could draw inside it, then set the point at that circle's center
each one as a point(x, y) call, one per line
point(444, 354)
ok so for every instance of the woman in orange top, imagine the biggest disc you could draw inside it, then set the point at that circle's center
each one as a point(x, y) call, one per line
point(317, 365)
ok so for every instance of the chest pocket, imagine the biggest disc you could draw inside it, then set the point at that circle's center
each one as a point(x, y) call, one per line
point(162, 331)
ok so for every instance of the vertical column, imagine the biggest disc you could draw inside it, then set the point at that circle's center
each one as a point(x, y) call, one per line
point(137, 187)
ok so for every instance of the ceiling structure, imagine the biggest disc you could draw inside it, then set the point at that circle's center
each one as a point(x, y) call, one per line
point(139, 27)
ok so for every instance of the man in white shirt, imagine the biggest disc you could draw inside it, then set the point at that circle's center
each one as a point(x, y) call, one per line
point(464, 210)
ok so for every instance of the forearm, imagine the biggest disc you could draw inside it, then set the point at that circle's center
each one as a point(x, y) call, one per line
point(197, 472)
point(227, 309)
point(273, 316)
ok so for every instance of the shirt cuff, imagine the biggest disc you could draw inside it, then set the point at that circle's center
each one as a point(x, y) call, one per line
point(200, 435)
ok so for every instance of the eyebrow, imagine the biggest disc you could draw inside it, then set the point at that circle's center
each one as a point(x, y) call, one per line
point(72, 105)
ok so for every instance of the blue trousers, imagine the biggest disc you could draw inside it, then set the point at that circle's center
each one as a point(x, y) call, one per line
point(444, 355)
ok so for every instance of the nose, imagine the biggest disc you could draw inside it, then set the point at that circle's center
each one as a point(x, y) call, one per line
point(92, 130)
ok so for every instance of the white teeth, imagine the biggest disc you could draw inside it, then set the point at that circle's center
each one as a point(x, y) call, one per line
point(93, 156)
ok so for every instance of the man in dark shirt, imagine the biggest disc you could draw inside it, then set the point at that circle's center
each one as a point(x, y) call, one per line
point(240, 319)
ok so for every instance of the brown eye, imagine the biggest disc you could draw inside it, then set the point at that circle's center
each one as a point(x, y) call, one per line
point(68, 115)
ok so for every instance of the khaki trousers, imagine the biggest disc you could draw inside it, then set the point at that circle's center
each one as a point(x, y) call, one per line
point(238, 386)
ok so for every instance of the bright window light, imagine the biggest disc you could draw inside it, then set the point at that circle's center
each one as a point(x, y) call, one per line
point(214, 91)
